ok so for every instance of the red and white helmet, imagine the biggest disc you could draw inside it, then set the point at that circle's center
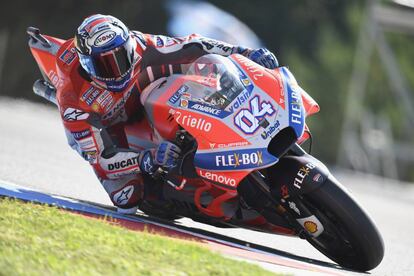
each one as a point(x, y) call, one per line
point(107, 51)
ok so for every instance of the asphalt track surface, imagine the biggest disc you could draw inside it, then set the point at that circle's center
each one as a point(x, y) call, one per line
point(34, 154)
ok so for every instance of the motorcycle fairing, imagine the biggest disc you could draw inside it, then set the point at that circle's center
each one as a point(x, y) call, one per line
point(271, 84)
point(218, 137)
point(283, 90)
point(46, 57)
point(226, 153)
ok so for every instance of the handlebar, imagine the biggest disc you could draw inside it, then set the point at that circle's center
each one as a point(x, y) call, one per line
point(36, 36)
point(162, 173)
point(45, 90)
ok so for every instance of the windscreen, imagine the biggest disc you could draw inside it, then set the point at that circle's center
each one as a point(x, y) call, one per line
point(217, 83)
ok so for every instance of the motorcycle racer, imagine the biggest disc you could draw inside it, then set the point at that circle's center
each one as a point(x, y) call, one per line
point(102, 73)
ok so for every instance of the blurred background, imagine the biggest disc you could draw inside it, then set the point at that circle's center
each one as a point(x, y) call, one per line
point(356, 58)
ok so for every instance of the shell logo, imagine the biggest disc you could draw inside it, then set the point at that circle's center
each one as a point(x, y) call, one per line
point(310, 226)
point(95, 107)
point(184, 103)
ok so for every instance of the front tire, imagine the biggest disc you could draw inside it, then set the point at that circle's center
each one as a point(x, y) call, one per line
point(350, 237)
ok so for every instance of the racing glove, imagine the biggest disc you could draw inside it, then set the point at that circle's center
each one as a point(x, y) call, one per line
point(264, 57)
point(165, 156)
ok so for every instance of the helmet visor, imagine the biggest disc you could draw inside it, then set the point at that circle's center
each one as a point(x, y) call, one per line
point(113, 64)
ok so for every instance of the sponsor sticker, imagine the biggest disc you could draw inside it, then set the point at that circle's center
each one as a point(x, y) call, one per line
point(104, 38)
point(302, 174)
point(123, 164)
point(164, 41)
point(208, 109)
point(90, 95)
point(105, 100)
point(177, 95)
point(240, 100)
point(169, 41)
point(159, 41)
point(86, 94)
point(236, 160)
point(191, 121)
point(246, 82)
point(54, 78)
point(292, 205)
point(95, 107)
point(318, 178)
point(209, 44)
point(229, 145)
point(184, 103)
point(86, 143)
point(248, 120)
point(311, 227)
point(68, 56)
point(268, 132)
point(296, 108)
point(78, 135)
point(296, 111)
point(73, 114)
point(90, 155)
point(241, 159)
point(218, 178)
point(117, 107)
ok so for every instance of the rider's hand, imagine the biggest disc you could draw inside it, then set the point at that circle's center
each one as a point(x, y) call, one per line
point(166, 155)
point(264, 57)
point(146, 162)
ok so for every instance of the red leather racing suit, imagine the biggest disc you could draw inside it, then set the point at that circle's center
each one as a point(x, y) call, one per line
point(85, 108)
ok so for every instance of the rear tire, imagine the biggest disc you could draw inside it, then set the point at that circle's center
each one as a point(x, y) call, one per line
point(350, 237)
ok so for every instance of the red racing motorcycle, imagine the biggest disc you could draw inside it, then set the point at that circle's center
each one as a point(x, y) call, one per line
point(240, 127)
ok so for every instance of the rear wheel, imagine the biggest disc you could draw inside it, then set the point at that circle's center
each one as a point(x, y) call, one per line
point(350, 238)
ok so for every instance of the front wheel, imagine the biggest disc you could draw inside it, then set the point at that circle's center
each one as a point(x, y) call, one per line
point(350, 237)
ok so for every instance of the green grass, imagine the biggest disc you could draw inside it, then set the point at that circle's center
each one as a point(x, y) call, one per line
point(41, 240)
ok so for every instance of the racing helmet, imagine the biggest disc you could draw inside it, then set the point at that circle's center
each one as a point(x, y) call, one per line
point(107, 51)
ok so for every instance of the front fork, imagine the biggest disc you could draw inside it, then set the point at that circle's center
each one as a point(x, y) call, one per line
point(294, 212)
point(295, 175)
point(303, 216)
